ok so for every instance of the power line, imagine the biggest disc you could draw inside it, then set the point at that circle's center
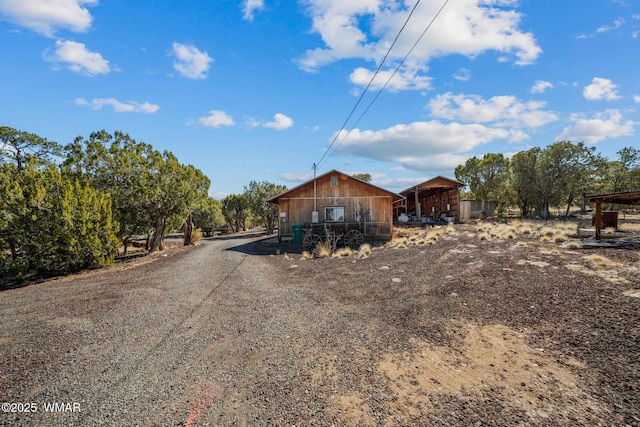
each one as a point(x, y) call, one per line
point(386, 83)
point(368, 85)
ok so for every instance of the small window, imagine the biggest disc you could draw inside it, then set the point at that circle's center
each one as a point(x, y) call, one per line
point(334, 213)
point(334, 180)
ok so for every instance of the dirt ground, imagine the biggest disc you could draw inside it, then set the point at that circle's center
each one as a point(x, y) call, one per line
point(492, 328)
point(460, 326)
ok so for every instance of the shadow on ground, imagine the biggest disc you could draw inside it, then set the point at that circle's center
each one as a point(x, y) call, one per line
point(268, 245)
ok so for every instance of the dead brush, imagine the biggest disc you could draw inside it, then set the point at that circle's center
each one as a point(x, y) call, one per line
point(484, 226)
point(342, 252)
point(504, 231)
point(484, 236)
point(323, 250)
point(597, 262)
point(548, 232)
point(400, 242)
point(437, 231)
point(571, 245)
point(630, 227)
point(450, 229)
point(306, 255)
point(364, 250)
point(196, 235)
point(560, 236)
point(524, 227)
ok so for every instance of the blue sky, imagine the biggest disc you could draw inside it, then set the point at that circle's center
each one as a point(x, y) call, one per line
point(259, 89)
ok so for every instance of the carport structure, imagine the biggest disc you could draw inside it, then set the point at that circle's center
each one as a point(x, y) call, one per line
point(432, 199)
point(624, 198)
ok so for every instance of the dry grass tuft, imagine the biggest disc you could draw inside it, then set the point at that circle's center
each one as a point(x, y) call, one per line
point(342, 252)
point(571, 245)
point(196, 235)
point(559, 238)
point(484, 236)
point(398, 243)
point(484, 227)
point(450, 229)
point(323, 250)
point(598, 261)
point(629, 227)
point(547, 232)
point(525, 229)
point(306, 255)
point(365, 249)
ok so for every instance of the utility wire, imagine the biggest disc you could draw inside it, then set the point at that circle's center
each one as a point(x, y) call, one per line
point(368, 85)
point(388, 80)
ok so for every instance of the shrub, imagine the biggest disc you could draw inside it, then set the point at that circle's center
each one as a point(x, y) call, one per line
point(59, 225)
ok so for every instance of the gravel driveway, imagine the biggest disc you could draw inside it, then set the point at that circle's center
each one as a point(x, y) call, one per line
point(216, 335)
point(133, 346)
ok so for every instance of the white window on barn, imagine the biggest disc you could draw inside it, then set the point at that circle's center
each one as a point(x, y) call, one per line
point(334, 180)
point(334, 213)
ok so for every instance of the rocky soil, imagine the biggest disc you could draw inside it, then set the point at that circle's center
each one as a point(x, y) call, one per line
point(456, 331)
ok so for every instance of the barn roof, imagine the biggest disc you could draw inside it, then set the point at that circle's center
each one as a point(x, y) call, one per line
point(624, 198)
point(439, 182)
point(274, 199)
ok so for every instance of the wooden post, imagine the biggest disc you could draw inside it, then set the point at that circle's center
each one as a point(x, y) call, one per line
point(598, 218)
point(418, 207)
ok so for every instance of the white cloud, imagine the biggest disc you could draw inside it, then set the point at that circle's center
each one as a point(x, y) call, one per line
point(400, 183)
point(420, 145)
point(295, 178)
point(249, 7)
point(402, 80)
point(501, 111)
point(601, 89)
point(118, 107)
point(465, 27)
point(45, 16)
point(541, 86)
point(78, 58)
point(463, 74)
point(616, 24)
point(191, 62)
point(215, 119)
point(280, 122)
point(605, 125)
point(636, 98)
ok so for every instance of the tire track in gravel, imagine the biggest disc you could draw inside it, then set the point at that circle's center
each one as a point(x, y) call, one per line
point(135, 360)
point(161, 384)
point(190, 314)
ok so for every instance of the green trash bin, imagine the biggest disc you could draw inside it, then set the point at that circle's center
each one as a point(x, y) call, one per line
point(297, 234)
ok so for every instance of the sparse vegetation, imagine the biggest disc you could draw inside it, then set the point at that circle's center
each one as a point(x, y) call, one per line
point(364, 250)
